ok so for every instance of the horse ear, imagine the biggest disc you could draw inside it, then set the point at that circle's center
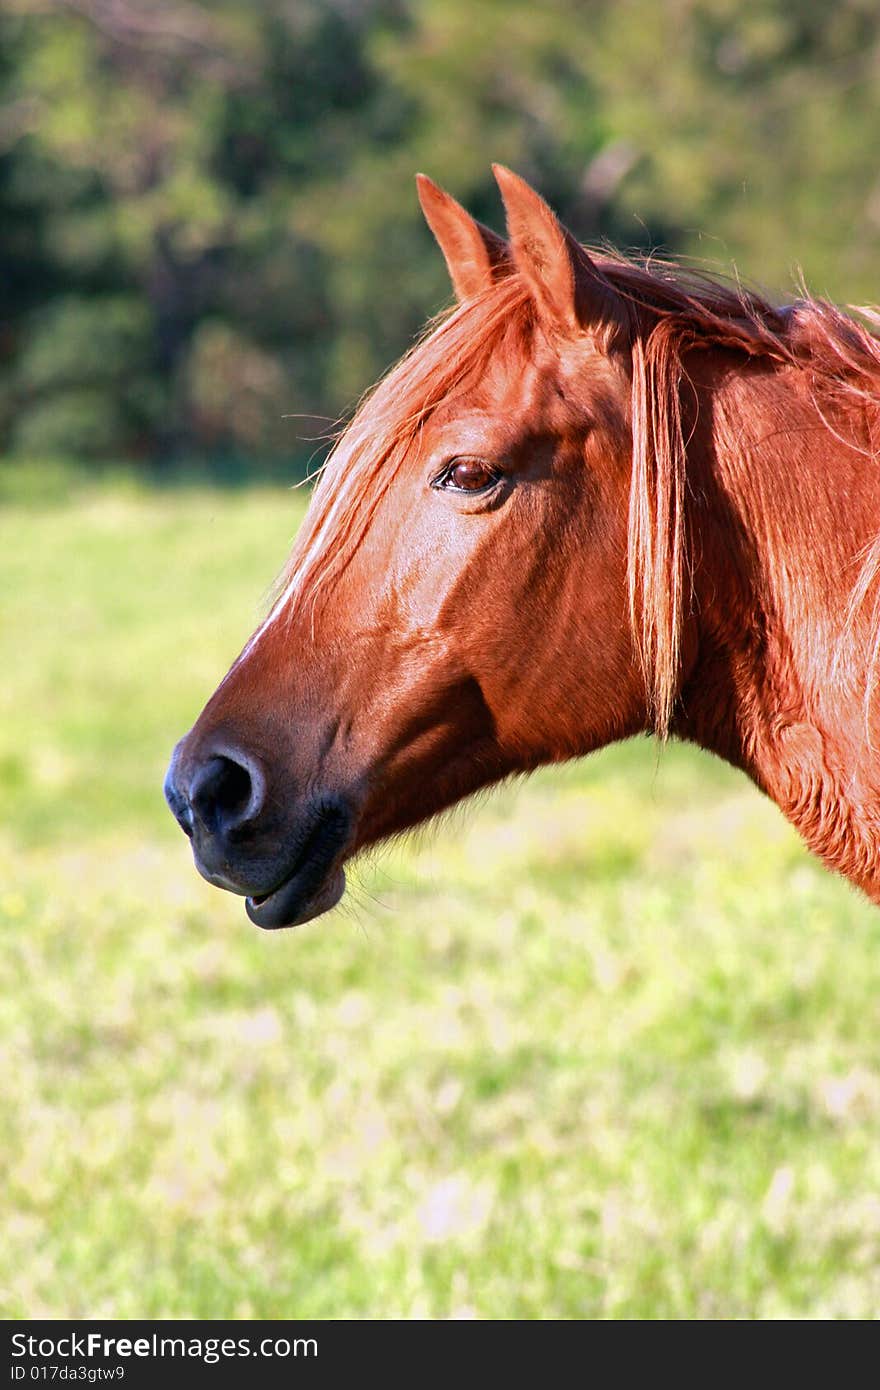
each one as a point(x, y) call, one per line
point(474, 255)
point(570, 290)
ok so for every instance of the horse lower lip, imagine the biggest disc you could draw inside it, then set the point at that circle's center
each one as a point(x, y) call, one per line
point(314, 886)
point(289, 907)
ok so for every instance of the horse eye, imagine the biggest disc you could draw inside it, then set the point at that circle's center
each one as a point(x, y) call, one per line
point(468, 475)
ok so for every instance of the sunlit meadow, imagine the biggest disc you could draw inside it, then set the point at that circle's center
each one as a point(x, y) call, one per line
point(608, 1045)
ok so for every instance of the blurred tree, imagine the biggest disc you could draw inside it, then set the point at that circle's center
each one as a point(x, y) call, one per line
point(208, 215)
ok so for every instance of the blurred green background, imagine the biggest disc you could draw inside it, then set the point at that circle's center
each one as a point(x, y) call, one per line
point(606, 1044)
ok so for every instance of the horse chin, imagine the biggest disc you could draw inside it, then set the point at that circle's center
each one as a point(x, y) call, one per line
point(286, 907)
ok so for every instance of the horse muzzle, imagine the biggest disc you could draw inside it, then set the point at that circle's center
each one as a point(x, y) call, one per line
point(316, 879)
point(284, 858)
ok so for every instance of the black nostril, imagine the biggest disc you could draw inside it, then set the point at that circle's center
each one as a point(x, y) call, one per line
point(225, 794)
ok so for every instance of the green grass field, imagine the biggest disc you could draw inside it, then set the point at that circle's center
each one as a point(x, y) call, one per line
point(608, 1045)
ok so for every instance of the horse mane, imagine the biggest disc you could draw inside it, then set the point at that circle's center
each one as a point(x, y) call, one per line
point(671, 311)
point(678, 310)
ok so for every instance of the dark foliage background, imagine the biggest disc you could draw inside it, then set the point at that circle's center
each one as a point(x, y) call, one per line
point(208, 221)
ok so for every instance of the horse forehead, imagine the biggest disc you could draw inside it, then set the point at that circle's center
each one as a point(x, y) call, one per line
point(508, 391)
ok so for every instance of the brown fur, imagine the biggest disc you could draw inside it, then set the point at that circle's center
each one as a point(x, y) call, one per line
point(688, 542)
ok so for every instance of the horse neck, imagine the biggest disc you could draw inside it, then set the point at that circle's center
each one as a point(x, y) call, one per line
point(784, 500)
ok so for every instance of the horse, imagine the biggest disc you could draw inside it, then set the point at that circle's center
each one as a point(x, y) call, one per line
point(600, 497)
